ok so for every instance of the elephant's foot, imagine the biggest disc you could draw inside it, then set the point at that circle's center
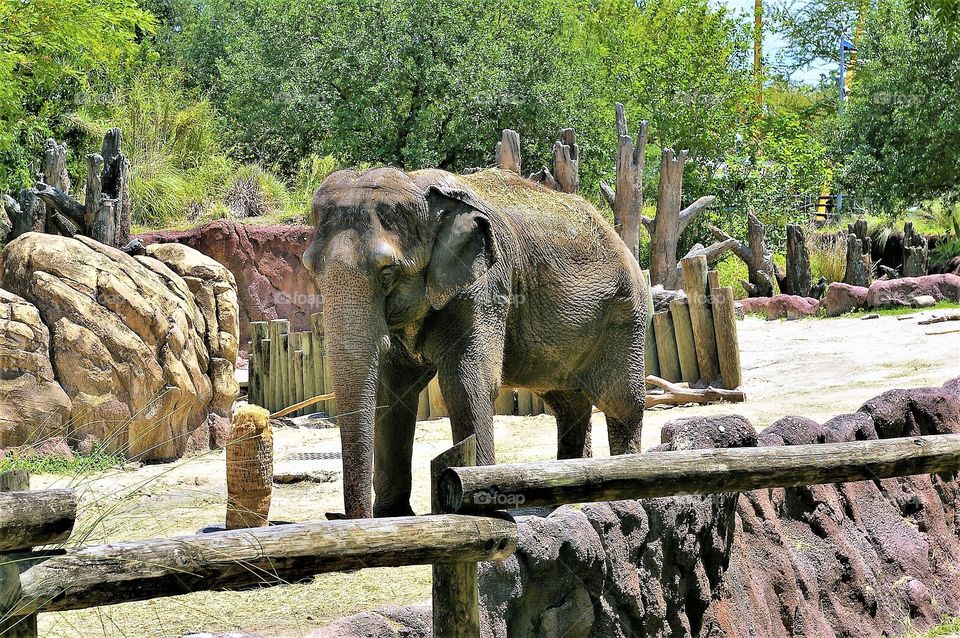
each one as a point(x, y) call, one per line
point(386, 510)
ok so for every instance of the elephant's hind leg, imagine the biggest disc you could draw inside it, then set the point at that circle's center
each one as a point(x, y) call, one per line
point(573, 411)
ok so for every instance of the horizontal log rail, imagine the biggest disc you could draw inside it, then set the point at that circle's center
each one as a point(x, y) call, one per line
point(243, 559)
point(708, 471)
point(41, 517)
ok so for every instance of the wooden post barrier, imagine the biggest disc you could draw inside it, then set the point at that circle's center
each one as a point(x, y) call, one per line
point(728, 344)
point(651, 361)
point(710, 471)
point(456, 595)
point(17, 625)
point(238, 559)
point(309, 375)
point(695, 285)
point(323, 361)
point(259, 364)
point(686, 347)
point(666, 346)
point(35, 518)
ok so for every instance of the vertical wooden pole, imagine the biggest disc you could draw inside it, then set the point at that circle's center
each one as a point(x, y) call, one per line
point(283, 358)
point(686, 348)
point(278, 327)
point(295, 388)
point(728, 345)
point(695, 285)
point(537, 404)
point(299, 381)
point(266, 363)
point(423, 405)
point(713, 281)
point(503, 404)
point(666, 347)
point(507, 151)
point(651, 362)
point(524, 402)
point(438, 409)
point(18, 626)
point(317, 321)
point(456, 596)
point(309, 374)
point(259, 368)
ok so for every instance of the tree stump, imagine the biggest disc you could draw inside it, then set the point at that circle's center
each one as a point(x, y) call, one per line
point(758, 257)
point(701, 318)
point(797, 280)
point(508, 151)
point(915, 252)
point(627, 199)
point(859, 266)
point(249, 468)
point(566, 162)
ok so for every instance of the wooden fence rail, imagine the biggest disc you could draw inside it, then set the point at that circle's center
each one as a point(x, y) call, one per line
point(710, 471)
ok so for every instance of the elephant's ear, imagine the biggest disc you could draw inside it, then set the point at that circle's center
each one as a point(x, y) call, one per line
point(464, 248)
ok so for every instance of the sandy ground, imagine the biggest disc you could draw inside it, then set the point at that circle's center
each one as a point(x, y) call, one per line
point(816, 368)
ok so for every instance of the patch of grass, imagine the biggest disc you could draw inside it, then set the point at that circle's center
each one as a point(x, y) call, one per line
point(897, 311)
point(948, 627)
point(76, 466)
point(731, 271)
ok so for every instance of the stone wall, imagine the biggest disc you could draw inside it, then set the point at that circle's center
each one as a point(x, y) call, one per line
point(854, 559)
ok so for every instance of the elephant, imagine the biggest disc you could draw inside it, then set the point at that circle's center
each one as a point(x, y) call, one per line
point(481, 279)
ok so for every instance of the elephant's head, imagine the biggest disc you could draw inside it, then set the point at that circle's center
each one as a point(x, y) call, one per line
point(384, 253)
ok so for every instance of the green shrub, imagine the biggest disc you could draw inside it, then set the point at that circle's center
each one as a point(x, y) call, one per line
point(945, 250)
point(731, 271)
point(828, 259)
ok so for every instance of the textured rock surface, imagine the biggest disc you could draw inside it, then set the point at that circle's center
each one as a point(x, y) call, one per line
point(265, 261)
point(951, 266)
point(128, 343)
point(33, 406)
point(841, 298)
point(854, 559)
point(900, 292)
point(782, 306)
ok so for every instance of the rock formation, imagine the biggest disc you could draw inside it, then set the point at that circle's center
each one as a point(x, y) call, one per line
point(862, 559)
point(265, 261)
point(143, 349)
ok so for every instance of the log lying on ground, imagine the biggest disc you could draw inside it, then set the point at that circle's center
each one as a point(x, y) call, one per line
point(927, 322)
point(756, 255)
point(40, 517)
point(238, 559)
point(710, 471)
point(676, 394)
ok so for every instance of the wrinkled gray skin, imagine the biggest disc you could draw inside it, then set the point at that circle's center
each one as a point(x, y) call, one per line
point(420, 274)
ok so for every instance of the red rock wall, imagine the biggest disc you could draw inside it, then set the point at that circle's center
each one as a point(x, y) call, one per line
point(265, 261)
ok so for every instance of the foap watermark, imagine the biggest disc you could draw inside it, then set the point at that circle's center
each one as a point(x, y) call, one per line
point(499, 499)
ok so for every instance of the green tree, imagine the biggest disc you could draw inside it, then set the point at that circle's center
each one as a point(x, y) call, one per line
point(51, 51)
point(900, 131)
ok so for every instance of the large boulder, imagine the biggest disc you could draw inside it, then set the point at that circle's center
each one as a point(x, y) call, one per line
point(33, 406)
point(842, 298)
point(782, 306)
point(901, 292)
point(265, 261)
point(128, 343)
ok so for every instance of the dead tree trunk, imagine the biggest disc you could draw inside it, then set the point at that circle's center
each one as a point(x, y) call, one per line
point(508, 151)
point(756, 255)
point(915, 253)
point(859, 263)
point(105, 213)
point(26, 213)
point(797, 280)
point(627, 200)
point(566, 161)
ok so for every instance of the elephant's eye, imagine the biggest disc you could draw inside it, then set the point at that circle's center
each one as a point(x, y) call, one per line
point(389, 273)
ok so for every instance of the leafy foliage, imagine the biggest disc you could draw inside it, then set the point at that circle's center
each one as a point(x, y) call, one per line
point(51, 52)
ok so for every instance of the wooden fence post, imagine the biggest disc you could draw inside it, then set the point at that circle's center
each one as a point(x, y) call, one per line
point(695, 284)
point(507, 151)
point(323, 362)
point(728, 344)
point(651, 361)
point(309, 375)
point(277, 328)
point(17, 626)
point(686, 347)
point(456, 596)
point(259, 364)
point(666, 346)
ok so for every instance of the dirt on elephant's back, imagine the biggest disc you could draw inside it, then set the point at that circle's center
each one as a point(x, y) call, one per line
point(557, 213)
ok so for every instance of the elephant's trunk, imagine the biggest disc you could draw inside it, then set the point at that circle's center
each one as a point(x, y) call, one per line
point(355, 333)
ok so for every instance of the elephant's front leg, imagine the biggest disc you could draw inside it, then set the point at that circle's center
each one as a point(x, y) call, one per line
point(401, 382)
point(469, 374)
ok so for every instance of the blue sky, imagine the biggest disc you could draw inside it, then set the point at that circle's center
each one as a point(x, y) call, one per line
point(772, 43)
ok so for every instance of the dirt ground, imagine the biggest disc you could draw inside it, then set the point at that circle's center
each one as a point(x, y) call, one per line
point(817, 368)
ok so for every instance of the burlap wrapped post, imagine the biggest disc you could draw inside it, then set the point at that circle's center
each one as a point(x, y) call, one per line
point(249, 468)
